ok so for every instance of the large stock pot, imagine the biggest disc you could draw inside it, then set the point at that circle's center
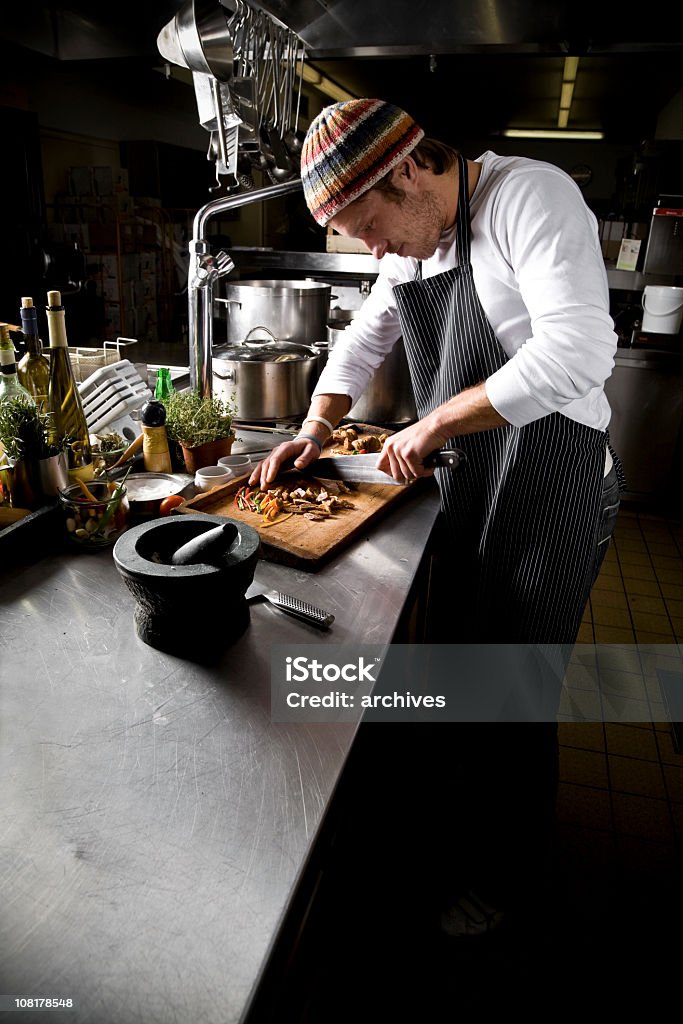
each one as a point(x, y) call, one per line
point(291, 310)
point(388, 400)
point(268, 378)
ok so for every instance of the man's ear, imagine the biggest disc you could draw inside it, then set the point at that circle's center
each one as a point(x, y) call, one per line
point(406, 172)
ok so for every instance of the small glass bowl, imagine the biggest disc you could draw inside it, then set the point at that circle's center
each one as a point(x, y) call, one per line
point(102, 461)
point(94, 524)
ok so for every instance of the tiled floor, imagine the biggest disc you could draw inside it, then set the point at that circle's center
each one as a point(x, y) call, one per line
point(602, 932)
point(621, 788)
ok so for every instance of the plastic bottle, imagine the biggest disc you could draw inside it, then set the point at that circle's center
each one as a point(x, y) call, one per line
point(164, 384)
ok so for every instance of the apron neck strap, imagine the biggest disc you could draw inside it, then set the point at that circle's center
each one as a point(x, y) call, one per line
point(463, 226)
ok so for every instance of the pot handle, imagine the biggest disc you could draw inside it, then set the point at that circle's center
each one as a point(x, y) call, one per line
point(259, 342)
point(229, 376)
point(227, 302)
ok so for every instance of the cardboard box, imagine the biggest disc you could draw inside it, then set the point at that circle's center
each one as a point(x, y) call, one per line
point(108, 180)
point(339, 243)
point(109, 266)
point(110, 289)
point(81, 182)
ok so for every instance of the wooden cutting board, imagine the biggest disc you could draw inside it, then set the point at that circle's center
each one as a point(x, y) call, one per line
point(298, 541)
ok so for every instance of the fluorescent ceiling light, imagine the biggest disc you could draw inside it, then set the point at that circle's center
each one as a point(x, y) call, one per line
point(569, 72)
point(571, 66)
point(541, 133)
point(566, 95)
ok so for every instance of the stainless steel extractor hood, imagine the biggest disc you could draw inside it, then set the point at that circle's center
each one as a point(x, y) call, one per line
point(477, 65)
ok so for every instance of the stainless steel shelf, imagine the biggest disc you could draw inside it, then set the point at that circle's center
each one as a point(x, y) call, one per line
point(356, 264)
point(634, 281)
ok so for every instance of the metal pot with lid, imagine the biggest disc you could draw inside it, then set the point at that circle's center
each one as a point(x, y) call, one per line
point(270, 379)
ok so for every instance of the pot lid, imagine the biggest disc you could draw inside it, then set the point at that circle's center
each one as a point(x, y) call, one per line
point(275, 287)
point(265, 352)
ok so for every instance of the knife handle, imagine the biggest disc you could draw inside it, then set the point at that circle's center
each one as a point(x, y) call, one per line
point(302, 610)
point(451, 457)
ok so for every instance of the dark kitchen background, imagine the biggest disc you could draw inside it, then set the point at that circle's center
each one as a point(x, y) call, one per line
point(104, 156)
point(105, 162)
point(104, 166)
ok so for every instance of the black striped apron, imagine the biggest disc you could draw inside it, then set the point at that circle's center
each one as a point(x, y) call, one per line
point(522, 512)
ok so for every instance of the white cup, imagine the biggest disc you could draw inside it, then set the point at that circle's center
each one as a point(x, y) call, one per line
point(211, 476)
point(236, 464)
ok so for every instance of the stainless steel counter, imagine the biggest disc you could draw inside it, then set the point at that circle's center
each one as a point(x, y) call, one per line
point(645, 393)
point(154, 821)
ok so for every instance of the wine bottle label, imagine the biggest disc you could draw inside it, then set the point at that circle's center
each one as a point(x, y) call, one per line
point(7, 360)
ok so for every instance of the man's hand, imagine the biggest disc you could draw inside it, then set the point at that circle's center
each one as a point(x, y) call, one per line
point(466, 413)
point(404, 452)
point(297, 453)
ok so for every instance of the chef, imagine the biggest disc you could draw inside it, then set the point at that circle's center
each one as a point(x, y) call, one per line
point(491, 271)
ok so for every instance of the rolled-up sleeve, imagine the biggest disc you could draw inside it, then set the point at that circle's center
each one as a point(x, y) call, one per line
point(365, 343)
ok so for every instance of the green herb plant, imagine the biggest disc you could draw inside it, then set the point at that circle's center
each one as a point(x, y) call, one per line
point(193, 420)
point(25, 430)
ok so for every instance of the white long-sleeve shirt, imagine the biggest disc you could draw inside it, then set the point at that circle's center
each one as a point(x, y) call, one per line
point(540, 276)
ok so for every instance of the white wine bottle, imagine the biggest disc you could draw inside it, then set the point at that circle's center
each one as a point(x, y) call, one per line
point(33, 368)
point(10, 385)
point(67, 419)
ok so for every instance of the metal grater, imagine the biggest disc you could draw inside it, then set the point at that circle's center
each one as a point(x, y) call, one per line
point(298, 609)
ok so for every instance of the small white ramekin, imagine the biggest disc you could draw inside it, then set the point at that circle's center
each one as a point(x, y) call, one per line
point(211, 476)
point(237, 464)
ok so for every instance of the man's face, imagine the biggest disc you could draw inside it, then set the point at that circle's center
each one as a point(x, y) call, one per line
point(410, 227)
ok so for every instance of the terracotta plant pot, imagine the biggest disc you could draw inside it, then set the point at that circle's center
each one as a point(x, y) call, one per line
point(206, 454)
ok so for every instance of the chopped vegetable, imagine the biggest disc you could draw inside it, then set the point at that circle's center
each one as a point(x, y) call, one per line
point(310, 499)
point(279, 519)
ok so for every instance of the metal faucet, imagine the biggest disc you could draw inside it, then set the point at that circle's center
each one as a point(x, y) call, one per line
point(205, 270)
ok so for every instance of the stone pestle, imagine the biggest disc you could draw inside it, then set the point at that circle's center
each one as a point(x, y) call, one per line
point(209, 548)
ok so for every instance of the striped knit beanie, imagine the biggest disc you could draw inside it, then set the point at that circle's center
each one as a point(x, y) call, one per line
point(348, 148)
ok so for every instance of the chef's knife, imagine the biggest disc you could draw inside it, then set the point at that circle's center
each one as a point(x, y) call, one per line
point(362, 469)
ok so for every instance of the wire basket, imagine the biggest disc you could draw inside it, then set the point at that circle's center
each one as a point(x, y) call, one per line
point(84, 361)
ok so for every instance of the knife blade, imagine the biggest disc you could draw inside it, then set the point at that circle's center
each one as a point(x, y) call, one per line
point(362, 469)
